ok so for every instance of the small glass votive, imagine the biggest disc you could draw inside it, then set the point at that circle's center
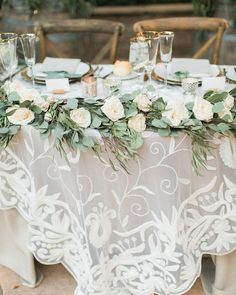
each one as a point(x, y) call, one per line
point(190, 86)
point(89, 86)
point(111, 85)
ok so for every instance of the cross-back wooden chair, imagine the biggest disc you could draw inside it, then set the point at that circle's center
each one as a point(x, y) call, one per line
point(95, 26)
point(216, 25)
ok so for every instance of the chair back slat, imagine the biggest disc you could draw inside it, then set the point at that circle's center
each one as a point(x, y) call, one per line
point(217, 25)
point(112, 29)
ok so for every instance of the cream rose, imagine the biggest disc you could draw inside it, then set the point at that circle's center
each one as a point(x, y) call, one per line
point(202, 110)
point(21, 116)
point(42, 103)
point(143, 102)
point(113, 109)
point(48, 117)
point(14, 86)
point(229, 102)
point(29, 94)
point(81, 117)
point(175, 112)
point(137, 123)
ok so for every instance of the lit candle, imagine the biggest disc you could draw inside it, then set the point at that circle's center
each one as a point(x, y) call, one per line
point(89, 86)
point(190, 86)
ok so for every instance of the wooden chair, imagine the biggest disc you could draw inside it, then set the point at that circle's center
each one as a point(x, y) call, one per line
point(81, 27)
point(216, 25)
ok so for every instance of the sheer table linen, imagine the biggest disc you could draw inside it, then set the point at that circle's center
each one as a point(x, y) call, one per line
point(118, 233)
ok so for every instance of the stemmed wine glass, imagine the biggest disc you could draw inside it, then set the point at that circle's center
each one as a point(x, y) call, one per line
point(8, 56)
point(166, 44)
point(151, 40)
point(138, 54)
point(28, 44)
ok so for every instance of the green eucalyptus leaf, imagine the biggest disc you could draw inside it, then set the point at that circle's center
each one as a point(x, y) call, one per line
point(164, 132)
point(137, 142)
point(223, 127)
point(150, 88)
point(59, 131)
point(72, 103)
point(13, 129)
point(25, 104)
point(159, 123)
point(36, 109)
point(88, 141)
point(189, 105)
point(4, 130)
point(44, 125)
point(218, 107)
point(14, 97)
point(96, 122)
point(213, 127)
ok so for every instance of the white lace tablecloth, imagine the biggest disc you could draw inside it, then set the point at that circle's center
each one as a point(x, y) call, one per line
point(121, 234)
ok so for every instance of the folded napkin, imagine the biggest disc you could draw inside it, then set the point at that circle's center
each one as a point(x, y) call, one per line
point(51, 64)
point(194, 67)
point(61, 74)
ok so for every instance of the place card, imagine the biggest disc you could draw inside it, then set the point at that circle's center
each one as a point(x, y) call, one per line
point(213, 83)
point(57, 86)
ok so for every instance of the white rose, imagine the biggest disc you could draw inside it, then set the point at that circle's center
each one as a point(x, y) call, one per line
point(48, 117)
point(226, 112)
point(137, 123)
point(202, 109)
point(21, 116)
point(81, 117)
point(113, 109)
point(175, 112)
point(143, 102)
point(229, 102)
point(51, 99)
point(41, 103)
point(29, 94)
point(14, 86)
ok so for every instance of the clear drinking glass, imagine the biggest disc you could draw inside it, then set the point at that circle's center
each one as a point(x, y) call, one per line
point(151, 39)
point(28, 44)
point(166, 44)
point(138, 56)
point(8, 56)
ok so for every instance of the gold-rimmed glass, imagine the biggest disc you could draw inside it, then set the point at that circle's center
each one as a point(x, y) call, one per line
point(166, 45)
point(28, 42)
point(8, 56)
point(138, 54)
point(151, 39)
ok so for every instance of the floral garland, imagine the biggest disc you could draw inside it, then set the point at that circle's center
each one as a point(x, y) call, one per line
point(118, 122)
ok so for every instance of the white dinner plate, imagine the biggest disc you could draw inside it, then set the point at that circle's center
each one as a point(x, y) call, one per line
point(159, 73)
point(82, 69)
point(131, 76)
point(231, 73)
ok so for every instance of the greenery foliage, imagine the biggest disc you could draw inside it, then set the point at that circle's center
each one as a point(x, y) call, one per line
point(119, 139)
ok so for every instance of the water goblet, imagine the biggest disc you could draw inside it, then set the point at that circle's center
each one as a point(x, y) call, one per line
point(151, 39)
point(138, 55)
point(8, 56)
point(166, 44)
point(28, 44)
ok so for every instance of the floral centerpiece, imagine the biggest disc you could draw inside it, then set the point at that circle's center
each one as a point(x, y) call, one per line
point(118, 122)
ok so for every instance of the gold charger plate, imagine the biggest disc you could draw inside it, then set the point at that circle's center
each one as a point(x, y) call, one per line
point(160, 79)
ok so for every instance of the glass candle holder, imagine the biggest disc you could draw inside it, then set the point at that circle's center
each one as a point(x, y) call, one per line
point(111, 85)
point(89, 86)
point(190, 86)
